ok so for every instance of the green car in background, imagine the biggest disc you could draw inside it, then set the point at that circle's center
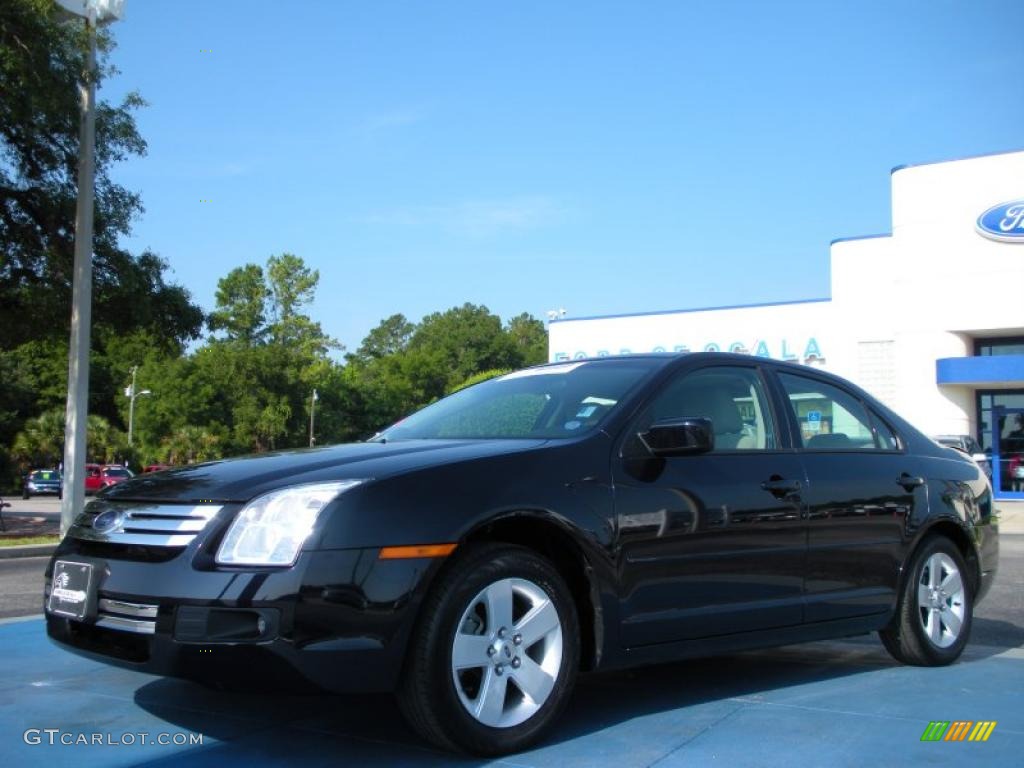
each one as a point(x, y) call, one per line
point(41, 481)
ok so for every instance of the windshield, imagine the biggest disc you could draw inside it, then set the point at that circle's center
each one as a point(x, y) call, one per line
point(42, 474)
point(116, 472)
point(554, 401)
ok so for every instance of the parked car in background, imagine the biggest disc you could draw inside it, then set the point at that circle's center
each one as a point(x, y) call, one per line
point(100, 476)
point(598, 514)
point(156, 467)
point(41, 482)
point(967, 444)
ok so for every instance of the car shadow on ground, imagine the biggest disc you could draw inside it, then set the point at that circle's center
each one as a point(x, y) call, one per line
point(997, 635)
point(601, 701)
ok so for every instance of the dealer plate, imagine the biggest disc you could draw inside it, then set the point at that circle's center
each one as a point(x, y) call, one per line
point(69, 595)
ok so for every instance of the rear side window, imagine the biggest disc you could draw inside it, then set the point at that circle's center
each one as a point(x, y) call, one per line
point(831, 419)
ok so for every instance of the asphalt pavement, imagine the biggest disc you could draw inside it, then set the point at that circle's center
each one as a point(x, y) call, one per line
point(30, 517)
point(21, 586)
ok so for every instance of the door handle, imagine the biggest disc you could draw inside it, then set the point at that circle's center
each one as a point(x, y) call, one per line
point(909, 482)
point(779, 486)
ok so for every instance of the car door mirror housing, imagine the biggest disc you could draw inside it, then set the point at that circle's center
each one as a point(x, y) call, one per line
point(679, 437)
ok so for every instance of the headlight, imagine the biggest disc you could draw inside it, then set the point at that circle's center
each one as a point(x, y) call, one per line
point(271, 528)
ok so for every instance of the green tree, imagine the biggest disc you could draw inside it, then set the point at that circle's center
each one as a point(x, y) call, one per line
point(530, 338)
point(190, 444)
point(41, 63)
point(241, 305)
point(389, 337)
point(104, 443)
point(292, 285)
point(457, 343)
point(41, 442)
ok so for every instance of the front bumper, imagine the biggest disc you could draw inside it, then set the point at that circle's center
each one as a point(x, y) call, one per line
point(338, 620)
point(43, 490)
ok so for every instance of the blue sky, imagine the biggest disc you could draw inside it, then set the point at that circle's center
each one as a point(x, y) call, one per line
point(602, 157)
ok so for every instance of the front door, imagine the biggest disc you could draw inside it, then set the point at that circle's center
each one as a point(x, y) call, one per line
point(711, 544)
point(1007, 441)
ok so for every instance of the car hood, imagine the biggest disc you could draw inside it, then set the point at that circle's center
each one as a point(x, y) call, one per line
point(239, 480)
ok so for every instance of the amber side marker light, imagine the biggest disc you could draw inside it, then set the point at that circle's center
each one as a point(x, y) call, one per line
point(416, 550)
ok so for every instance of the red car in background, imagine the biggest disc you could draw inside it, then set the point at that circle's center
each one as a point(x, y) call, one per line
point(100, 476)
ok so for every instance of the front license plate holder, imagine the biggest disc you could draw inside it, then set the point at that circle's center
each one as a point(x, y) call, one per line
point(71, 589)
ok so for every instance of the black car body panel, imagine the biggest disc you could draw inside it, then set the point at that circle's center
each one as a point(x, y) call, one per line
point(666, 557)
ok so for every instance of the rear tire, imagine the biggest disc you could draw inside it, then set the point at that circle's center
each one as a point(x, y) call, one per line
point(933, 618)
point(493, 660)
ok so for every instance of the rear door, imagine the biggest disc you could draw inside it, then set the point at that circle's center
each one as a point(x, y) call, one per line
point(862, 488)
point(711, 544)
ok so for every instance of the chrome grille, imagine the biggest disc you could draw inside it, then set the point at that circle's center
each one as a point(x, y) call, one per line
point(127, 617)
point(154, 525)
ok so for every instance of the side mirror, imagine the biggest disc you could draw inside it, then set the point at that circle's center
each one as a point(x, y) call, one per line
point(679, 437)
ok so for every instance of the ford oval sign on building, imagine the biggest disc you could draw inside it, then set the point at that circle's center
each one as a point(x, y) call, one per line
point(1003, 222)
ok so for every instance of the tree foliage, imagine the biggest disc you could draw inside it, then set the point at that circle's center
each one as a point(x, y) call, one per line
point(41, 64)
point(241, 305)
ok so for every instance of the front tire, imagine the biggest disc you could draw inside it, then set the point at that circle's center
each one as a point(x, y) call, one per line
point(494, 657)
point(935, 611)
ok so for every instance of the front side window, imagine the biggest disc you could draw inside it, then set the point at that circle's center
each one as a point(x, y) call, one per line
point(887, 439)
point(732, 397)
point(830, 419)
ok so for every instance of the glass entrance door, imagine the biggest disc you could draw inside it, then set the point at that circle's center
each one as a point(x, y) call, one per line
point(1007, 441)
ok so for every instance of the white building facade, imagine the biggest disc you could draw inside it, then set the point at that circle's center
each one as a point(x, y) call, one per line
point(928, 318)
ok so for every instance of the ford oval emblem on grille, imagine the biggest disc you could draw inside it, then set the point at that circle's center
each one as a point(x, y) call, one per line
point(1003, 222)
point(107, 521)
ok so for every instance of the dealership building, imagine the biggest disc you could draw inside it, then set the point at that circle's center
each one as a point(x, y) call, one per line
point(929, 317)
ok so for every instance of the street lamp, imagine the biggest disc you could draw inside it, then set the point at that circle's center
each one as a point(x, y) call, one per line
point(93, 12)
point(312, 411)
point(131, 394)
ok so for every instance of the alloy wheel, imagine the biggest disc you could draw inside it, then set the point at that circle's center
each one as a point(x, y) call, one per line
point(941, 600)
point(507, 652)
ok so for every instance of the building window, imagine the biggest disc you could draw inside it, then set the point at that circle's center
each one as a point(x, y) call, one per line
point(1001, 434)
point(1011, 345)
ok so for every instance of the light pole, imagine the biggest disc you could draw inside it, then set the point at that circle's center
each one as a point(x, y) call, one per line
point(131, 393)
point(93, 12)
point(312, 416)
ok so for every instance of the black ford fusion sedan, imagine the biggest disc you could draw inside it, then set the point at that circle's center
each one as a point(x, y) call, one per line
point(597, 514)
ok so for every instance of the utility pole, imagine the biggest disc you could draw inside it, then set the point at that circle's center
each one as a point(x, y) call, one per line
point(73, 477)
point(131, 394)
point(76, 414)
point(312, 417)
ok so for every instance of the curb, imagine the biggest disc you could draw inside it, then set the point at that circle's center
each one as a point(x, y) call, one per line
point(27, 550)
